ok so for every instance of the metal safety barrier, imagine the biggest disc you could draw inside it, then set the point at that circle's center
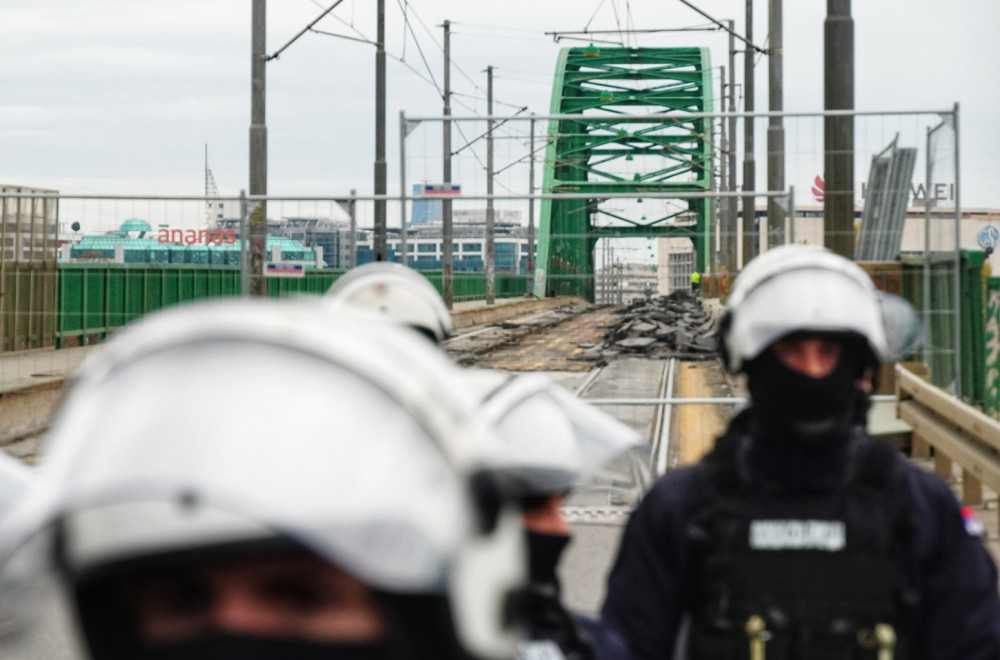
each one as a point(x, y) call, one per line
point(958, 433)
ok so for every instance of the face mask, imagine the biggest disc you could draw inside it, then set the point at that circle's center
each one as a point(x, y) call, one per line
point(799, 408)
point(544, 551)
point(222, 646)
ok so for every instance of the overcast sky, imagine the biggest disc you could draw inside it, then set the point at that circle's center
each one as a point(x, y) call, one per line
point(121, 96)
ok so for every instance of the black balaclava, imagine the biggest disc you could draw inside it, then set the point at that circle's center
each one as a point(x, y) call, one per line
point(544, 552)
point(543, 614)
point(793, 407)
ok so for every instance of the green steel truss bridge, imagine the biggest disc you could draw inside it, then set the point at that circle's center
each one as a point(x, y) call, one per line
point(626, 157)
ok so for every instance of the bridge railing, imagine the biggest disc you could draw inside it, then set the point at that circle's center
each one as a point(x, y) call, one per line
point(957, 432)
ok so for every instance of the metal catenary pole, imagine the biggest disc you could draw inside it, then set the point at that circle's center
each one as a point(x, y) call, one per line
point(731, 204)
point(447, 290)
point(490, 244)
point(352, 212)
point(403, 249)
point(749, 165)
point(529, 287)
point(958, 260)
point(722, 209)
point(927, 242)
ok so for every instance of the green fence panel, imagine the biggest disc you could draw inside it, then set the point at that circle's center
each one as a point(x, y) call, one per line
point(991, 387)
point(940, 331)
point(68, 314)
point(973, 327)
point(96, 298)
point(153, 290)
point(114, 312)
point(134, 299)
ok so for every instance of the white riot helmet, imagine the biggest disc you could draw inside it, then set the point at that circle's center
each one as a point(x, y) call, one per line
point(217, 424)
point(395, 292)
point(551, 440)
point(796, 288)
point(15, 478)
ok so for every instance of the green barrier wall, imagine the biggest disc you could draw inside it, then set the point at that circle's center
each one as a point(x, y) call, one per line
point(94, 299)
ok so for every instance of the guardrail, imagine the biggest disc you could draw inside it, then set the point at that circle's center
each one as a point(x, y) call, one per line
point(958, 433)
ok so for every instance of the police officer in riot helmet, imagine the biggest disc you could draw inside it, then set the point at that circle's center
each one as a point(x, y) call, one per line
point(396, 294)
point(798, 536)
point(249, 480)
point(552, 442)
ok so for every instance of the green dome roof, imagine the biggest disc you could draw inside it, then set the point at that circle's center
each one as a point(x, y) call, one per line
point(135, 225)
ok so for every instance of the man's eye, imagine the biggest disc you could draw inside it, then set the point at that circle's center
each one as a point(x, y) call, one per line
point(298, 594)
point(181, 597)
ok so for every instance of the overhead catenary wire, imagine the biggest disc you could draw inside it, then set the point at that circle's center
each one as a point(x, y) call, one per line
point(416, 42)
point(303, 31)
point(483, 135)
point(594, 15)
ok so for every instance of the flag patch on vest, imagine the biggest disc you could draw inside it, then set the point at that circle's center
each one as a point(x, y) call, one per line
point(829, 535)
point(973, 525)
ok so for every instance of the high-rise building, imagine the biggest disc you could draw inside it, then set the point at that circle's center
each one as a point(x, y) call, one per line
point(424, 210)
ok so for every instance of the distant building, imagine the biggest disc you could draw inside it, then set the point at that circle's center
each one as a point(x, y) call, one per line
point(674, 264)
point(425, 247)
point(315, 240)
point(136, 242)
point(621, 283)
point(423, 211)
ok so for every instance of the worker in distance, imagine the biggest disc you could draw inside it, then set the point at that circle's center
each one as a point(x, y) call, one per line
point(798, 536)
point(248, 480)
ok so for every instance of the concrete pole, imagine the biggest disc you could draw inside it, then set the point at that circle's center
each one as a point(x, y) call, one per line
point(402, 190)
point(957, 281)
point(776, 127)
point(447, 290)
point(380, 165)
point(531, 208)
point(838, 143)
point(731, 203)
point(257, 234)
point(749, 175)
point(490, 252)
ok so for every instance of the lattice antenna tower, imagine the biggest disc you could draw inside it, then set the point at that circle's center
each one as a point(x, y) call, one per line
point(213, 207)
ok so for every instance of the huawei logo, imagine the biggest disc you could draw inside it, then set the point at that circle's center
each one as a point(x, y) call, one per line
point(818, 188)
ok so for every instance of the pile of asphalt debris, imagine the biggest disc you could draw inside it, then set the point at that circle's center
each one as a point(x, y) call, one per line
point(669, 326)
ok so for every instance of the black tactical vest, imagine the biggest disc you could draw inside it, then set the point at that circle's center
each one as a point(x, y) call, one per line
point(800, 576)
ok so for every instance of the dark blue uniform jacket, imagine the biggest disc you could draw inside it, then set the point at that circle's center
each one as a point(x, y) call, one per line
point(958, 615)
